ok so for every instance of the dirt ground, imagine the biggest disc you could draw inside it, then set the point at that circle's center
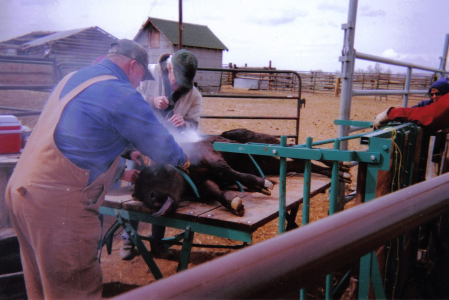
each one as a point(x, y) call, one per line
point(316, 121)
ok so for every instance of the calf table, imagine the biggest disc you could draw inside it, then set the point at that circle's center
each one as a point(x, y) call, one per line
point(206, 217)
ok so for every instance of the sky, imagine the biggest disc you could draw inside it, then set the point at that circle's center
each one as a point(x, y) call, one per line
point(300, 35)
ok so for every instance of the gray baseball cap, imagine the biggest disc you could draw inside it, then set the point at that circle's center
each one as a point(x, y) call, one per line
point(134, 51)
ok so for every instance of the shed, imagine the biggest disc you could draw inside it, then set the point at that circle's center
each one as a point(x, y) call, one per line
point(11, 46)
point(161, 36)
point(71, 49)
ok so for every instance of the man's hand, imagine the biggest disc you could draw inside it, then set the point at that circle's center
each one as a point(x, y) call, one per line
point(381, 119)
point(160, 102)
point(137, 157)
point(130, 176)
point(186, 164)
point(177, 120)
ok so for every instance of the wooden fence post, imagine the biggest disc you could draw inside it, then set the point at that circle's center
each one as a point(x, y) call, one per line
point(337, 86)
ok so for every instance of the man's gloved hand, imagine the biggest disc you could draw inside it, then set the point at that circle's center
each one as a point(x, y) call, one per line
point(381, 119)
point(186, 164)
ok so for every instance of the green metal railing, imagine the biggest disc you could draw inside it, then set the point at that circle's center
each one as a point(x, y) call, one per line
point(377, 158)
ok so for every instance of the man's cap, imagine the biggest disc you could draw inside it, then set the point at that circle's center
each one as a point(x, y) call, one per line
point(134, 51)
point(184, 67)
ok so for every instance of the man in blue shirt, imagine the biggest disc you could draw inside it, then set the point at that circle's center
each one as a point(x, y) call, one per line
point(66, 168)
point(102, 120)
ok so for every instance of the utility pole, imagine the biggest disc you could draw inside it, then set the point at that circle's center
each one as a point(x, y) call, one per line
point(180, 26)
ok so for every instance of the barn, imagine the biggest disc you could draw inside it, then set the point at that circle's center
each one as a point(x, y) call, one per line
point(71, 49)
point(11, 46)
point(161, 36)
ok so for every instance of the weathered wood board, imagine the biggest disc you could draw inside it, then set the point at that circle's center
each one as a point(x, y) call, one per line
point(259, 208)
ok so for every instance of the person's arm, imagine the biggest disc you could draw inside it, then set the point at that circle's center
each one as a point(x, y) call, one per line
point(434, 116)
point(423, 103)
point(136, 122)
point(149, 89)
point(130, 175)
point(189, 108)
point(193, 115)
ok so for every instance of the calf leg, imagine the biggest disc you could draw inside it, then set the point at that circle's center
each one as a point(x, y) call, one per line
point(222, 172)
point(211, 190)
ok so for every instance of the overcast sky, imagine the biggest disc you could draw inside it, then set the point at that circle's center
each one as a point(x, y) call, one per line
point(298, 35)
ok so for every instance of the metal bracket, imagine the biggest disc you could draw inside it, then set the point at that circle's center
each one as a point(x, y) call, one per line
point(347, 26)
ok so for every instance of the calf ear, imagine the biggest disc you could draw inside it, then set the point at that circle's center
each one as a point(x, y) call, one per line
point(168, 206)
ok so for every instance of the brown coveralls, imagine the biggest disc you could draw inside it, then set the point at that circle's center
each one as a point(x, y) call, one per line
point(55, 213)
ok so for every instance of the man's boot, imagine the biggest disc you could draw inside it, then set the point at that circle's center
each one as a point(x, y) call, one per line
point(127, 250)
point(158, 250)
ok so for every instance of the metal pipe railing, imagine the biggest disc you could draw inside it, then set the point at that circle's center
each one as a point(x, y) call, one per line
point(394, 62)
point(348, 60)
point(387, 92)
point(301, 257)
point(298, 99)
point(410, 67)
point(406, 91)
point(347, 69)
point(443, 59)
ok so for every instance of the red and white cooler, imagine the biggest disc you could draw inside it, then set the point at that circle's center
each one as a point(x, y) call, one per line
point(10, 134)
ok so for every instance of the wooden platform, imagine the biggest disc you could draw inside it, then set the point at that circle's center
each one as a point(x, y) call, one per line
point(205, 217)
point(259, 209)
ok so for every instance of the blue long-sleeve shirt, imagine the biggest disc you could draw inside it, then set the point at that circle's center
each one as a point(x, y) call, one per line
point(97, 125)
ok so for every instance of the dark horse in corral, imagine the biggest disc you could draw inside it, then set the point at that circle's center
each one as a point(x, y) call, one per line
point(162, 187)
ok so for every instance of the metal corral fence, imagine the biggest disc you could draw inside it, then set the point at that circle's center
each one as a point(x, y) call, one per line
point(302, 257)
point(31, 74)
point(27, 73)
point(261, 96)
point(41, 74)
point(329, 82)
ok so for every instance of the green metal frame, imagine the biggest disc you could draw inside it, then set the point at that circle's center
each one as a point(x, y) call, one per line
point(189, 227)
point(377, 158)
point(368, 263)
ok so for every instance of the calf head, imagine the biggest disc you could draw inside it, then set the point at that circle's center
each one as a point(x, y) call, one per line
point(159, 187)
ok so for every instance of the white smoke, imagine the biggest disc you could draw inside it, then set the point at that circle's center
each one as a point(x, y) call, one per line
point(188, 136)
point(187, 139)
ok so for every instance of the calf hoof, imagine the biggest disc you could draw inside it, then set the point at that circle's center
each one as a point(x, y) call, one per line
point(268, 184)
point(265, 192)
point(345, 166)
point(345, 176)
point(237, 206)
